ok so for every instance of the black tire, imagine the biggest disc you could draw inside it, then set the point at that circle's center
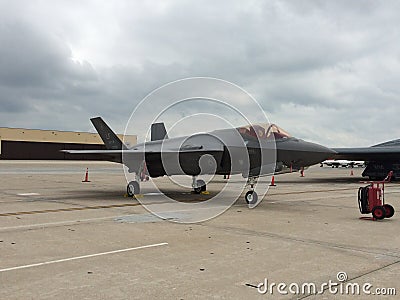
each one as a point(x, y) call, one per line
point(379, 212)
point(363, 200)
point(251, 197)
point(389, 210)
point(133, 188)
point(201, 186)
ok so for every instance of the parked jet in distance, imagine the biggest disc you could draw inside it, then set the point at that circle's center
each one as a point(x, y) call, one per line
point(268, 148)
point(336, 163)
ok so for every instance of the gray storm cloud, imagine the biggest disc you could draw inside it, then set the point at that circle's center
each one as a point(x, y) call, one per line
point(325, 71)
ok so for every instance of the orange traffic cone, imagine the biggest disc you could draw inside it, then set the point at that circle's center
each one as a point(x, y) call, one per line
point(272, 181)
point(86, 176)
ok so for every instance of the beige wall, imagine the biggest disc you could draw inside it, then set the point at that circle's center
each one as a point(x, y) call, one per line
point(55, 136)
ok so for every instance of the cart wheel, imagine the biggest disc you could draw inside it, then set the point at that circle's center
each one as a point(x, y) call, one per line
point(379, 212)
point(389, 210)
point(363, 200)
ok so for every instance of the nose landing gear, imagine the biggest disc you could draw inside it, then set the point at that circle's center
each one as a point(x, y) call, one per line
point(251, 196)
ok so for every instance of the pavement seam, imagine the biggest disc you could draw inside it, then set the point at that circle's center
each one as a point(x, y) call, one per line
point(305, 241)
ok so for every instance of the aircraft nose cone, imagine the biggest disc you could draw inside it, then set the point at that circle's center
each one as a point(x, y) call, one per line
point(324, 149)
point(319, 153)
point(302, 153)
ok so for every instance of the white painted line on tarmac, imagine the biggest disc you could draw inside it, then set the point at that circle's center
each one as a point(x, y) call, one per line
point(153, 194)
point(28, 194)
point(81, 257)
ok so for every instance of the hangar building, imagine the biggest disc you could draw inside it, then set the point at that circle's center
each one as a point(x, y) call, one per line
point(20, 143)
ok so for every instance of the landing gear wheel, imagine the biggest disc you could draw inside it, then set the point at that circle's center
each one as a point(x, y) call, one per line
point(379, 212)
point(133, 188)
point(251, 197)
point(201, 186)
point(389, 210)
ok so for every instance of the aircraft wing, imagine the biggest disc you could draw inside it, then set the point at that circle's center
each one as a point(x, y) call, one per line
point(142, 151)
point(137, 153)
point(374, 153)
point(99, 155)
point(134, 159)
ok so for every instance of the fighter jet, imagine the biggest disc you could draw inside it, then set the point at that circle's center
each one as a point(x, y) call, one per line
point(251, 150)
point(380, 159)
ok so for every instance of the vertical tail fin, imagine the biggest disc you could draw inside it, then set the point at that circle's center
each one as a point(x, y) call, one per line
point(110, 139)
point(158, 132)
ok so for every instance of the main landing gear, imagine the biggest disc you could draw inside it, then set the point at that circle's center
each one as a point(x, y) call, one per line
point(133, 188)
point(198, 185)
point(251, 196)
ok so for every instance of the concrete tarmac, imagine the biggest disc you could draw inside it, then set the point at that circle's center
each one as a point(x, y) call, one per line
point(61, 238)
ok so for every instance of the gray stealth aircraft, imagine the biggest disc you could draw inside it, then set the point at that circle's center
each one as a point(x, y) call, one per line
point(252, 150)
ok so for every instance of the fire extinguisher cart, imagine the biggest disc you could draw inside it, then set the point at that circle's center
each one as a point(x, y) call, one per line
point(371, 199)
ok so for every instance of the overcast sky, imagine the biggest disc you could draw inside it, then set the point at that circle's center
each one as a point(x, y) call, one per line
point(326, 71)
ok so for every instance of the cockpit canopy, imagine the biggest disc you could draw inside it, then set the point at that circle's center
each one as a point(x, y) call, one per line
point(263, 131)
